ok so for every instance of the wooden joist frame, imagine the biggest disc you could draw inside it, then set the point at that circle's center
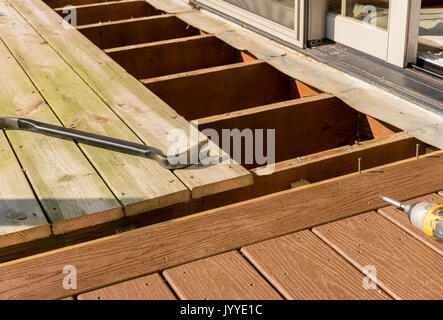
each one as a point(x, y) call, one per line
point(138, 30)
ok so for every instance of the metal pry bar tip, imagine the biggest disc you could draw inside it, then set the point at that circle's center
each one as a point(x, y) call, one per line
point(396, 203)
point(171, 162)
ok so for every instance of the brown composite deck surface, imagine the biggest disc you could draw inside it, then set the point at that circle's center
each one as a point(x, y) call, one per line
point(226, 276)
point(406, 268)
point(327, 262)
point(301, 266)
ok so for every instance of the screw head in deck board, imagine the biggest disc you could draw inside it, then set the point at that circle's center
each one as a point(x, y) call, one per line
point(405, 267)
point(151, 287)
point(301, 266)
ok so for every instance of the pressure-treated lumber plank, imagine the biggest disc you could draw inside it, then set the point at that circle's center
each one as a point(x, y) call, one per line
point(66, 184)
point(155, 248)
point(166, 57)
point(151, 287)
point(62, 3)
point(148, 116)
point(227, 276)
point(111, 11)
point(217, 90)
point(139, 30)
point(401, 219)
point(21, 218)
point(301, 266)
point(405, 268)
point(140, 184)
point(302, 126)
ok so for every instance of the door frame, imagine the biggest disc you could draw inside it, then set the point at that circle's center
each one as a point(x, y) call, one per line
point(397, 44)
point(296, 36)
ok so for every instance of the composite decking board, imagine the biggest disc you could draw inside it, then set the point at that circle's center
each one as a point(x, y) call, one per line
point(150, 287)
point(158, 247)
point(66, 184)
point(301, 266)
point(110, 11)
point(223, 277)
point(201, 93)
point(174, 56)
point(21, 218)
point(146, 114)
point(405, 267)
point(302, 126)
point(401, 219)
point(139, 184)
point(138, 30)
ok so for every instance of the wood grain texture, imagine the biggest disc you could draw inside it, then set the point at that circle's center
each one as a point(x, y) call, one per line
point(111, 11)
point(167, 57)
point(66, 184)
point(151, 287)
point(224, 277)
point(148, 116)
point(138, 30)
point(62, 3)
point(401, 219)
point(139, 184)
point(155, 248)
point(202, 93)
point(406, 268)
point(301, 266)
point(21, 218)
point(302, 126)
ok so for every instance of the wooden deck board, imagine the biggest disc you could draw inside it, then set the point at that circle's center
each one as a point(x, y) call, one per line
point(147, 115)
point(65, 182)
point(21, 218)
point(401, 219)
point(151, 287)
point(224, 277)
point(155, 248)
point(405, 267)
point(301, 266)
point(140, 184)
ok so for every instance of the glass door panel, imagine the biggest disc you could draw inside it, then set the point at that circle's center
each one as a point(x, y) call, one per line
point(279, 11)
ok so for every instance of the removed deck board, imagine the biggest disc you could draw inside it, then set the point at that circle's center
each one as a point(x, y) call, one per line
point(139, 184)
point(146, 114)
point(227, 276)
point(405, 267)
point(21, 218)
point(216, 231)
point(66, 184)
point(151, 287)
point(301, 266)
point(401, 219)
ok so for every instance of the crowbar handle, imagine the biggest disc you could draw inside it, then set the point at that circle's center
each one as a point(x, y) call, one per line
point(170, 162)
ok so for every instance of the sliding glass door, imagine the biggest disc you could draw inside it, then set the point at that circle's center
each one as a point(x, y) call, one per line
point(282, 19)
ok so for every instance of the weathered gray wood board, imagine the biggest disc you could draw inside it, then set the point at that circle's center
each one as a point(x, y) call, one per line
point(66, 184)
point(139, 184)
point(148, 116)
